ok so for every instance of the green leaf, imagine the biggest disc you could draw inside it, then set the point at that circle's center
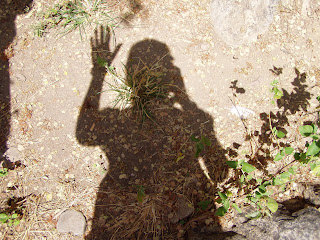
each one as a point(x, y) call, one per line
point(255, 199)
point(278, 157)
point(182, 222)
point(101, 62)
point(4, 217)
point(221, 211)
point(291, 170)
point(140, 194)
point(232, 164)
point(16, 222)
point(204, 204)
point(262, 189)
point(259, 180)
point(306, 130)
point(194, 139)
point(236, 207)
point(315, 128)
point(277, 93)
point(274, 82)
point(226, 205)
point(222, 196)
point(3, 172)
point(277, 181)
point(229, 194)
point(200, 146)
point(272, 205)
point(315, 136)
point(303, 158)
point(288, 150)
point(206, 141)
point(312, 166)
point(248, 168)
point(242, 178)
point(314, 148)
point(316, 170)
point(296, 156)
point(240, 161)
point(280, 134)
point(249, 177)
point(285, 175)
point(266, 183)
point(254, 215)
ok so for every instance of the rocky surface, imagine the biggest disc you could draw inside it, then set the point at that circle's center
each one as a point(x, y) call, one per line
point(240, 22)
point(71, 221)
point(303, 224)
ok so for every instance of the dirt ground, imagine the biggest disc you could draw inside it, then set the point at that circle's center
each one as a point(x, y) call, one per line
point(78, 152)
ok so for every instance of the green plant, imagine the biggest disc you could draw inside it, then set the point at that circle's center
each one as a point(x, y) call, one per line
point(3, 172)
point(140, 193)
point(200, 144)
point(76, 14)
point(139, 89)
point(245, 168)
point(277, 93)
point(203, 205)
point(259, 197)
point(12, 219)
point(40, 28)
point(224, 199)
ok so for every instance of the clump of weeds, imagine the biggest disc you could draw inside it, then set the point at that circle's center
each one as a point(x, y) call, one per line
point(73, 15)
point(139, 89)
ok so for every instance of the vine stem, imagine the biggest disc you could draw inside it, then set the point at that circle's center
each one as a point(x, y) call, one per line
point(245, 126)
point(273, 135)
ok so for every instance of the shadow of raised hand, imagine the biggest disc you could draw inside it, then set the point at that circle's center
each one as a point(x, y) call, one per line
point(100, 48)
point(89, 112)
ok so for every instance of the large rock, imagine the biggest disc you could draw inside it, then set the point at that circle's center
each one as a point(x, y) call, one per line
point(239, 22)
point(71, 221)
point(302, 225)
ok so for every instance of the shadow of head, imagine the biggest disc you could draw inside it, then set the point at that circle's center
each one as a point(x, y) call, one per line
point(151, 74)
point(14, 7)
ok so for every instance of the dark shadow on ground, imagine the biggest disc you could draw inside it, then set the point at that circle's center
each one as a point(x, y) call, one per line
point(135, 7)
point(288, 104)
point(9, 10)
point(236, 89)
point(146, 154)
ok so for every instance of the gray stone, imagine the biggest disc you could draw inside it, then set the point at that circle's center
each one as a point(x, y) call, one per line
point(302, 225)
point(71, 221)
point(239, 22)
point(312, 194)
point(183, 208)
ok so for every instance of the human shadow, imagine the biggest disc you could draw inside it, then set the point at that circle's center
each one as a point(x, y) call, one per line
point(9, 10)
point(140, 153)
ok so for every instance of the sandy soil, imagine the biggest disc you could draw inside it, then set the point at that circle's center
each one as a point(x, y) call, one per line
point(84, 155)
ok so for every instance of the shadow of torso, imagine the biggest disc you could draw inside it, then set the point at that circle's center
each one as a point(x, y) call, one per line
point(144, 154)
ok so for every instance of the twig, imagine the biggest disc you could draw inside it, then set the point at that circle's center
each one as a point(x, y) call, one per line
point(245, 126)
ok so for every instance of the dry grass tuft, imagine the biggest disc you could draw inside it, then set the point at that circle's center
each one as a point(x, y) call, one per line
point(142, 221)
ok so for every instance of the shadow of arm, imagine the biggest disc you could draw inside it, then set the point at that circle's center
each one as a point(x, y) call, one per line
point(86, 131)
